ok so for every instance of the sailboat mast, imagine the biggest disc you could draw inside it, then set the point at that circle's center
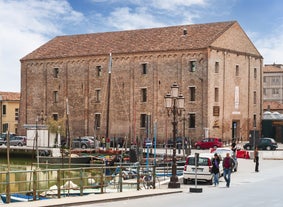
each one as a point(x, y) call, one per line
point(108, 96)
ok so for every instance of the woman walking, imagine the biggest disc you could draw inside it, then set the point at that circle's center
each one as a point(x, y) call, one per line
point(215, 169)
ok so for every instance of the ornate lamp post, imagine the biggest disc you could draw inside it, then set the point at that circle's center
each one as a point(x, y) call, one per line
point(174, 103)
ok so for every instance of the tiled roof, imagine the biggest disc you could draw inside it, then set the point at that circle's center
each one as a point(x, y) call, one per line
point(132, 41)
point(10, 96)
point(273, 69)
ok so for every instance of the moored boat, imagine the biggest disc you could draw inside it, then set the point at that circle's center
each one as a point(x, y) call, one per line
point(20, 198)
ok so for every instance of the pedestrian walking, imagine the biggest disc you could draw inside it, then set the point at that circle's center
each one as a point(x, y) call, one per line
point(215, 169)
point(228, 164)
point(256, 159)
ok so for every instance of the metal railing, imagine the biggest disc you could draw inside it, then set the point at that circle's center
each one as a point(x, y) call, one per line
point(75, 181)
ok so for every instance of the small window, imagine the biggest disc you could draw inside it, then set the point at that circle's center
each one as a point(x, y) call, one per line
point(97, 120)
point(192, 121)
point(237, 70)
point(216, 94)
point(264, 79)
point(56, 72)
point(192, 91)
point(55, 96)
point(143, 95)
point(97, 95)
point(98, 70)
point(143, 120)
point(55, 117)
point(4, 110)
point(144, 68)
point(254, 97)
point(254, 120)
point(255, 73)
point(5, 127)
point(16, 114)
point(192, 65)
point(216, 67)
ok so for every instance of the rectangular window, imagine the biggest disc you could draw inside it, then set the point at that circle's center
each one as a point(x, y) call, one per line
point(5, 127)
point(192, 121)
point(4, 110)
point(192, 91)
point(192, 66)
point(97, 120)
point(55, 96)
point(275, 91)
point(98, 70)
point(254, 97)
point(97, 95)
point(264, 91)
point(216, 94)
point(237, 70)
point(216, 67)
point(143, 95)
point(16, 114)
point(254, 120)
point(275, 81)
point(55, 72)
point(255, 73)
point(144, 68)
point(55, 117)
point(143, 120)
point(264, 79)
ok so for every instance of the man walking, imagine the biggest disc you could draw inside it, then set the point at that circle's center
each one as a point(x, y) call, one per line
point(228, 164)
point(256, 158)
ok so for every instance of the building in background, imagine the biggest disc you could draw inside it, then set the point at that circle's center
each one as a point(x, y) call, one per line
point(9, 117)
point(216, 66)
point(273, 88)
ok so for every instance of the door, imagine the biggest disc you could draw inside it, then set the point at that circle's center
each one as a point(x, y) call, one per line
point(235, 130)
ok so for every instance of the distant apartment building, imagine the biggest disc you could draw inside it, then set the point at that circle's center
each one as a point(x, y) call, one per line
point(273, 87)
point(10, 104)
point(216, 66)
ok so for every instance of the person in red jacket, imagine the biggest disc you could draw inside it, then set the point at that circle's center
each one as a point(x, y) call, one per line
point(228, 164)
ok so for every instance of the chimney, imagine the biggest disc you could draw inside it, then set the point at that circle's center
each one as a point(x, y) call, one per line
point(185, 32)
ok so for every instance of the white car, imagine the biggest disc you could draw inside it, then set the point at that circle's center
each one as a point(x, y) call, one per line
point(203, 171)
point(222, 154)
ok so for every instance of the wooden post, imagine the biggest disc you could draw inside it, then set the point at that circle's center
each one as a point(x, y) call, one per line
point(34, 184)
point(8, 196)
point(58, 183)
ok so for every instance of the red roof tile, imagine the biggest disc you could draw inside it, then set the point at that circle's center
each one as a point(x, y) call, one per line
point(10, 96)
point(132, 41)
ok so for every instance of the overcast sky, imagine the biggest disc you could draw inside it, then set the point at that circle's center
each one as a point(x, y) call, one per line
point(27, 24)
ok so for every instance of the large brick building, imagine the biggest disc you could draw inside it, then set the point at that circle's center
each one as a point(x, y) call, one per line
point(216, 65)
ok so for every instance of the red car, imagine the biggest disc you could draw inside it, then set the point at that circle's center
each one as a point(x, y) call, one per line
point(207, 143)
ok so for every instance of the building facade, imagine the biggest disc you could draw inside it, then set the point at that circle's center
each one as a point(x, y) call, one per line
point(216, 66)
point(273, 87)
point(9, 117)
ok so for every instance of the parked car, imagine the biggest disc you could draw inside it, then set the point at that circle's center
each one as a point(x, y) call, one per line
point(83, 142)
point(2, 141)
point(17, 141)
point(203, 170)
point(264, 143)
point(222, 154)
point(207, 143)
point(4, 135)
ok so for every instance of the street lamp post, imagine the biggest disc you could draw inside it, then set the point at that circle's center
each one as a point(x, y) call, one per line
point(174, 103)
